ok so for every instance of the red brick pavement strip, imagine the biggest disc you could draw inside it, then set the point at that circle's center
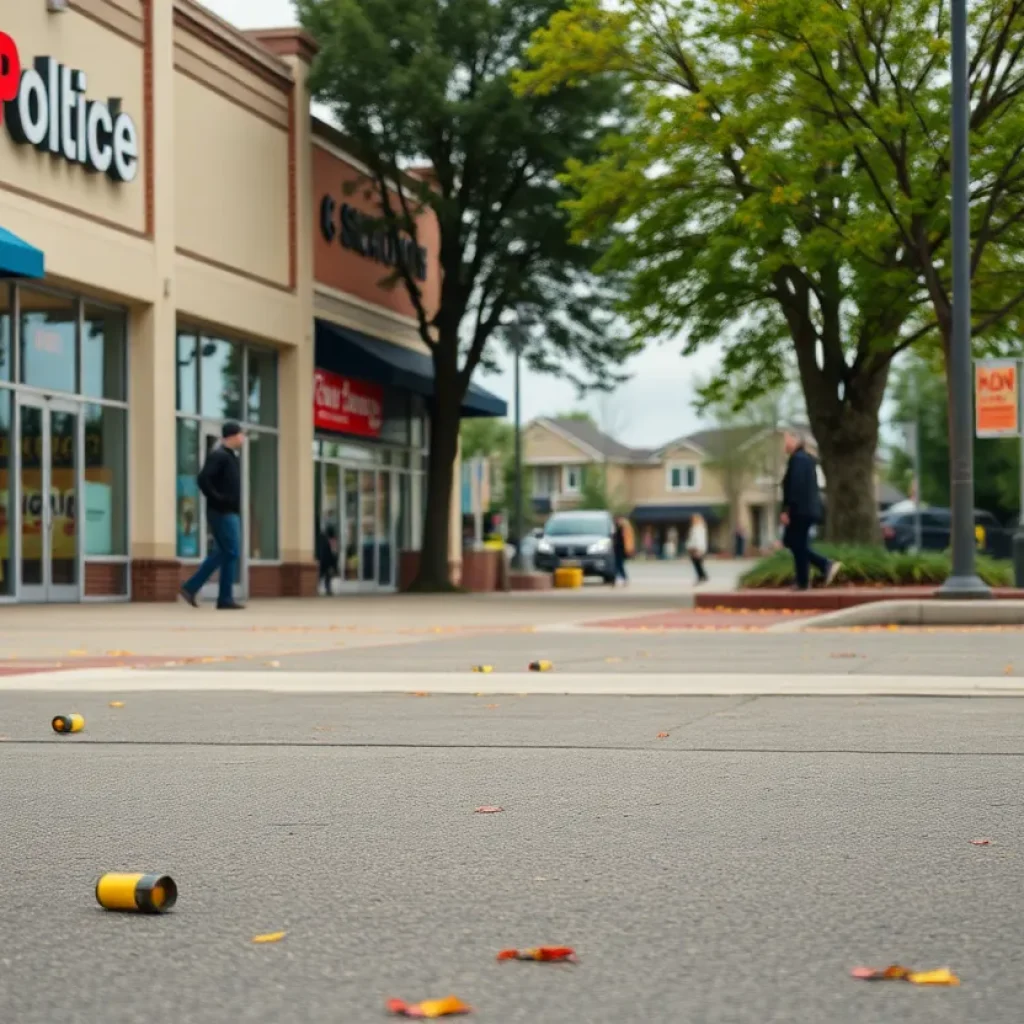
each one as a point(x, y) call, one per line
point(700, 619)
point(17, 667)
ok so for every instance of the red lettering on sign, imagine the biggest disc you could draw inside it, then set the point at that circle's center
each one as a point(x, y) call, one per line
point(10, 71)
point(347, 406)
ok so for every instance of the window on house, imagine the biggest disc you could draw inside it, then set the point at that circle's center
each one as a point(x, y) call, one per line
point(573, 479)
point(682, 478)
point(544, 482)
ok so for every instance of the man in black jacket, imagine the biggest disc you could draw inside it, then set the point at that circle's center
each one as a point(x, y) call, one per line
point(220, 480)
point(801, 509)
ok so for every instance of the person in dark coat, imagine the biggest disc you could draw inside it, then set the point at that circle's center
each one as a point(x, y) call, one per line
point(621, 545)
point(220, 480)
point(328, 556)
point(802, 509)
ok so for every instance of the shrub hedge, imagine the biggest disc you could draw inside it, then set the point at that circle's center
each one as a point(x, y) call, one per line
point(868, 566)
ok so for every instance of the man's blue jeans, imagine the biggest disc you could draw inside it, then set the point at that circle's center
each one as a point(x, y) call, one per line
point(227, 538)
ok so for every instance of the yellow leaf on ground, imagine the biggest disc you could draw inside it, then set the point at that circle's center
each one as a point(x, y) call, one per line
point(269, 937)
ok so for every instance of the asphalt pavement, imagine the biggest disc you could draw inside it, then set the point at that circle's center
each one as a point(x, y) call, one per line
point(731, 871)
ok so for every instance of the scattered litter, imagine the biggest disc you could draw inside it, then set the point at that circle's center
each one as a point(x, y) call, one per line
point(119, 654)
point(541, 666)
point(146, 893)
point(844, 654)
point(68, 723)
point(1008, 671)
point(489, 810)
point(78, 652)
point(483, 668)
point(492, 705)
point(116, 704)
point(429, 1010)
point(420, 693)
point(542, 954)
point(981, 842)
point(662, 736)
point(269, 937)
point(942, 976)
point(272, 664)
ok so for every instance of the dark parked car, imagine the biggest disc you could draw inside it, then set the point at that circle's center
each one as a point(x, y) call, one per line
point(898, 531)
point(581, 539)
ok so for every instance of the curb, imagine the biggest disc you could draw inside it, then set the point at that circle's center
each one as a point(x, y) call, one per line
point(913, 613)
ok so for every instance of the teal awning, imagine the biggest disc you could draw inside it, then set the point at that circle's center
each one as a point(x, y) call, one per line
point(18, 258)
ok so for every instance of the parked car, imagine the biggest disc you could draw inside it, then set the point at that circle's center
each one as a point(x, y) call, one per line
point(582, 539)
point(899, 531)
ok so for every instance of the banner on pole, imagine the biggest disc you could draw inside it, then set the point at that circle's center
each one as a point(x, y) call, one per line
point(997, 398)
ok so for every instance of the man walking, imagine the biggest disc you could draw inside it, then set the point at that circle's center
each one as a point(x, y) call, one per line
point(801, 509)
point(220, 480)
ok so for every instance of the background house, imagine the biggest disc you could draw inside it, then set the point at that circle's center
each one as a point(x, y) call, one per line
point(730, 475)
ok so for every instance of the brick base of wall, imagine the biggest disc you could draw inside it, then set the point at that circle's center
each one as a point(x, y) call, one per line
point(106, 579)
point(154, 580)
point(530, 581)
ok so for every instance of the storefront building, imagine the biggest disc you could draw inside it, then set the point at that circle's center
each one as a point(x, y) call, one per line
point(161, 190)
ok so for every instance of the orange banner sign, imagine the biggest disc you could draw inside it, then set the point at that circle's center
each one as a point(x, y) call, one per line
point(997, 398)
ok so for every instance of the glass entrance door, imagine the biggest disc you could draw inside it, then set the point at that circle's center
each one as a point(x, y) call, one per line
point(210, 439)
point(49, 470)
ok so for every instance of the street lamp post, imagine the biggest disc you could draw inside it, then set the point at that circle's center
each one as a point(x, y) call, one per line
point(963, 581)
point(516, 334)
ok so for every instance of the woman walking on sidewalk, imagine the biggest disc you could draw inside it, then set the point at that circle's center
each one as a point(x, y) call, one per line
point(697, 546)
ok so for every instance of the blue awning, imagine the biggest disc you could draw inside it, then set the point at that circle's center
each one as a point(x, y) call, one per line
point(18, 258)
point(354, 354)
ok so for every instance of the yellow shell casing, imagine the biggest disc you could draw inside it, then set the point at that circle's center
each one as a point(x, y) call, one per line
point(145, 893)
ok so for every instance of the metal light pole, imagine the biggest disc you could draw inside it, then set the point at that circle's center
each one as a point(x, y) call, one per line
point(963, 581)
point(516, 332)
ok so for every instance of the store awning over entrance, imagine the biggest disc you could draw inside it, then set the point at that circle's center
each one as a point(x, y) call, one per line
point(18, 258)
point(354, 354)
point(655, 515)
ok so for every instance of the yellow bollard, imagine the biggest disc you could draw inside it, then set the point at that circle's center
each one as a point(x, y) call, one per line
point(148, 894)
point(68, 723)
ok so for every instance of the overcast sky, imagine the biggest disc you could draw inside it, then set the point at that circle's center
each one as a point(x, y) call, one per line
point(653, 407)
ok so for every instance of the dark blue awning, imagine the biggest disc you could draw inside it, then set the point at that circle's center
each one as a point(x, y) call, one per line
point(672, 515)
point(354, 354)
point(18, 258)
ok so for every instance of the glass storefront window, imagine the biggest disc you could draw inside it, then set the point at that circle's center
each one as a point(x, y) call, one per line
point(187, 489)
point(103, 350)
point(48, 349)
point(6, 348)
point(106, 480)
point(220, 383)
point(261, 374)
point(187, 373)
point(6, 502)
point(262, 457)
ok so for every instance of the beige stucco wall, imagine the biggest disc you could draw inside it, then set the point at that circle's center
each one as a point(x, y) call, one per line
point(231, 183)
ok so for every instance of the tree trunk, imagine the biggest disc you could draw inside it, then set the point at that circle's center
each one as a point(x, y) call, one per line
point(434, 575)
point(847, 437)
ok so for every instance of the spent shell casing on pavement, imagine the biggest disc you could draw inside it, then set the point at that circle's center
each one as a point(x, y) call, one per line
point(541, 666)
point(138, 891)
point(68, 723)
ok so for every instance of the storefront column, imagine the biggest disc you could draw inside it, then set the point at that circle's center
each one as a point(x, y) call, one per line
point(297, 362)
point(155, 571)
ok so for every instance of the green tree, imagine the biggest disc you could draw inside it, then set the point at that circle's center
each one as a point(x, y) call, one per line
point(784, 190)
point(412, 82)
point(495, 439)
point(919, 396)
point(594, 488)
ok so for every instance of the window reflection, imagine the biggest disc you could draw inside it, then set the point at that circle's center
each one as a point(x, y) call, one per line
point(220, 386)
point(106, 481)
point(187, 372)
point(6, 349)
point(103, 351)
point(262, 457)
point(48, 352)
point(262, 384)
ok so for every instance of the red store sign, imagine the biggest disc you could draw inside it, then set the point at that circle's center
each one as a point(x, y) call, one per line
point(347, 406)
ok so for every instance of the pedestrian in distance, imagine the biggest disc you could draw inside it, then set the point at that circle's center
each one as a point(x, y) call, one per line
point(802, 509)
point(220, 481)
point(328, 556)
point(624, 545)
point(697, 546)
